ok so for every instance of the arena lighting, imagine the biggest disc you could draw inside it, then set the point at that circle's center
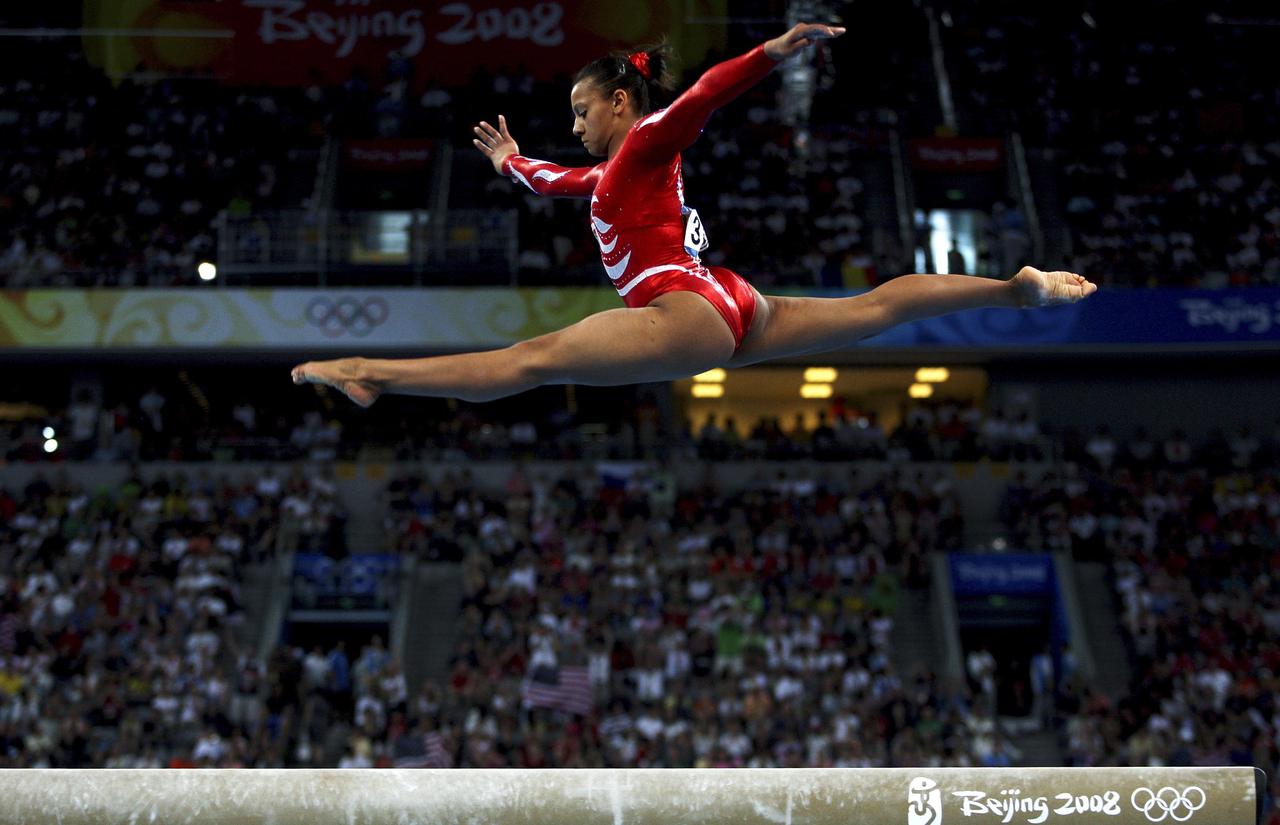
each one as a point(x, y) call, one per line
point(48, 432)
point(613, 796)
point(820, 375)
point(207, 271)
point(932, 375)
point(920, 390)
point(708, 390)
point(51, 445)
point(715, 376)
point(816, 391)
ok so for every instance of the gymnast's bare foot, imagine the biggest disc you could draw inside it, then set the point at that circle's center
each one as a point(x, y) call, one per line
point(342, 374)
point(1042, 289)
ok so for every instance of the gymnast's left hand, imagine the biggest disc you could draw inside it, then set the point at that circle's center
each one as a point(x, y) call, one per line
point(800, 35)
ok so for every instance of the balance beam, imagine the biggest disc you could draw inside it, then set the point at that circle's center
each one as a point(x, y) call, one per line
point(808, 796)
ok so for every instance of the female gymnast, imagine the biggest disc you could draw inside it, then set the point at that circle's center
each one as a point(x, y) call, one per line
point(681, 317)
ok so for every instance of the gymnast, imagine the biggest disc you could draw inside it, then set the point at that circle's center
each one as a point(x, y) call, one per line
point(681, 316)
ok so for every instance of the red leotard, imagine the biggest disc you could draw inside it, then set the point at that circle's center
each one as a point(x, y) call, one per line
point(637, 198)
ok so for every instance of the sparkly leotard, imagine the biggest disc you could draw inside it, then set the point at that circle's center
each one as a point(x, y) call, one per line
point(637, 199)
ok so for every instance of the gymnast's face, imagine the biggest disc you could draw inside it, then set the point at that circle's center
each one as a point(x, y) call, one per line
point(599, 121)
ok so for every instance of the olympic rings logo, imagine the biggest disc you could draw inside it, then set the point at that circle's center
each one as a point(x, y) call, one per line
point(347, 315)
point(1167, 802)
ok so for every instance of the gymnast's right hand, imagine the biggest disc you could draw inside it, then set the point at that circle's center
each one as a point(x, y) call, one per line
point(799, 36)
point(496, 144)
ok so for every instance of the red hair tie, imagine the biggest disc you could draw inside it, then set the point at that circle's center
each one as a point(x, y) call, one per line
point(641, 61)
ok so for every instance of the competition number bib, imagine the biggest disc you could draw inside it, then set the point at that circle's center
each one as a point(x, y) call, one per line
point(695, 236)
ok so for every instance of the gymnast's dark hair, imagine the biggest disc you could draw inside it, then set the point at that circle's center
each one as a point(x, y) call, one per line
point(618, 72)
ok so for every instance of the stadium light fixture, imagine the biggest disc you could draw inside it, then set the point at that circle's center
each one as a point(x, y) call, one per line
point(48, 432)
point(816, 391)
point(932, 375)
point(820, 375)
point(50, 445)
point(920, 390)
point(708, 390)
point(207, 271)
point(715, 376)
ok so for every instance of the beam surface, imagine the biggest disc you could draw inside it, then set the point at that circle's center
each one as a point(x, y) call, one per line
point(814, 796)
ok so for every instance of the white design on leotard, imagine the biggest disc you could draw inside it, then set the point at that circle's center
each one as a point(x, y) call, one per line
point(653, 270)
point(599, 225)
point(548, 176)
point(522, 179)
point(619, 269)
point(600, 229)
point(653, 118)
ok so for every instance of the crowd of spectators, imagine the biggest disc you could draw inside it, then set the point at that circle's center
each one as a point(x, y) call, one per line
point(710, 628)
point(942, 429)
point(203, 416)
point(207, 416)
point(144, 430)
point(764, 640)
point(1166, 153)
point(121, 618)
point(1192, 554)
point(713, 629)
point(1067, 509)
point(120, 184)
point(784, 222)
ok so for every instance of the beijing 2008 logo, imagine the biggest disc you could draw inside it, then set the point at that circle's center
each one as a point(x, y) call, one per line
point(1167, 803)
point(924, 802)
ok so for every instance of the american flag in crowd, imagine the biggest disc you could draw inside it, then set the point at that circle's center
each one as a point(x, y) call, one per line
point(435, 756)
point(566, 688)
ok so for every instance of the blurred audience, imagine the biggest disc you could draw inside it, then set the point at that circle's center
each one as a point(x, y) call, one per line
point(122, 637)
point(120, 184)
point(1192, 553)
point(1166, 155)
point(1163, 160)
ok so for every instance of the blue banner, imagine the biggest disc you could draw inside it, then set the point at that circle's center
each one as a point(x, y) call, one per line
point(1110, 316)
point(1004, 574)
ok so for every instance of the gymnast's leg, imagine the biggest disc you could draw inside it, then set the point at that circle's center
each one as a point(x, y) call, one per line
point(676, 336)
point(804, 325)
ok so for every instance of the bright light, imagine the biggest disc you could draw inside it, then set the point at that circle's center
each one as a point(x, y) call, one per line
point(815, 391)
point(50, 445)
point(715, 376)
point(932, 375)
point(207, 271)
point(708, 390)
point(920, 390)
point(820, 375)
point(48, 432)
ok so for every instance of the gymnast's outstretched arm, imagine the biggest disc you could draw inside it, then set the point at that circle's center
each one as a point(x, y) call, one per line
point(542, 177)
point(676, 127)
